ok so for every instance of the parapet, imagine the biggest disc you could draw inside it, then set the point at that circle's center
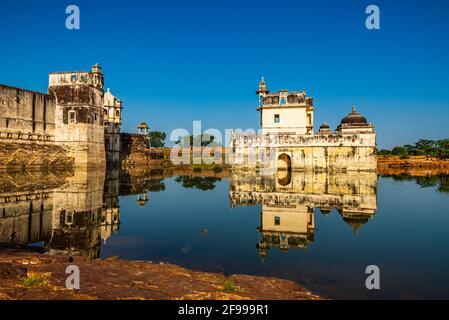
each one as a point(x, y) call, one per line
point(93, 78)
point(286, 98)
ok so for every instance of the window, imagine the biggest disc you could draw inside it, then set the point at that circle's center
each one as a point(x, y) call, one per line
point(117, 113)
point(277, 221)
point(72, 116)
point(74, 77)
point(68, 218)
point(277, 118)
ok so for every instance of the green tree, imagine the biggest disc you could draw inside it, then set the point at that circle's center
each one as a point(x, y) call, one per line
point(399, 151)
point(199, 140)
point(384, 152)
point(157, 139)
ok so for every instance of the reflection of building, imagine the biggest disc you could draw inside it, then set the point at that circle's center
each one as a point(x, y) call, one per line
point(70, 215)
point(288, 201)
point(26, 211)
point(285, 226)
point(287, 139)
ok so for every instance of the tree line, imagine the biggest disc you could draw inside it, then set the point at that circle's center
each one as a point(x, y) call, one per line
point(431, 148)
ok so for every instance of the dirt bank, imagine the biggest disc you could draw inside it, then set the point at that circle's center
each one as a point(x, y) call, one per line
point(385, 162)
point(30, 275)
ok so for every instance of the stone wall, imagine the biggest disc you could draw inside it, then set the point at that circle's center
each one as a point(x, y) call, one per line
point(27, 130)
point(79, 116)
point(333, 151)
point(26, 116)
point(134, 148)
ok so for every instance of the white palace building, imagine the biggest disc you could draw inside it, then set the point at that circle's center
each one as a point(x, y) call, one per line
point(287, 140)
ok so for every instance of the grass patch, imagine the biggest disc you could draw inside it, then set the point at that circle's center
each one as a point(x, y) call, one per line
point(33, 279)
point(230, 286)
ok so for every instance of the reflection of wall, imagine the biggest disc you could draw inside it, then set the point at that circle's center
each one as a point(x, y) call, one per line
point(26, 205)
point(71, 215)
point(287, 218)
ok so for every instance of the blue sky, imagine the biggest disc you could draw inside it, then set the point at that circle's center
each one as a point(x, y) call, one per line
point(172, 62)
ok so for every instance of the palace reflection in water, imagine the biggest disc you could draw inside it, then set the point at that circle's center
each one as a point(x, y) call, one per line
point(73, 213)
point(288, 201)
point(69, 212)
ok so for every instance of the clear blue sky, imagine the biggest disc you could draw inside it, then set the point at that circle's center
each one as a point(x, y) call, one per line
point(172, 62)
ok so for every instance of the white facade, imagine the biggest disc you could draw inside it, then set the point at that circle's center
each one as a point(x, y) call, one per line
point(288, 142)
point(112, 123)
point(285, 112)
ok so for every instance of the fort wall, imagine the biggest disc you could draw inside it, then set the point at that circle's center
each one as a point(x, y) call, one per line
point(79, 115)
point(27, 130)
point(332, 151)
point(26, 116)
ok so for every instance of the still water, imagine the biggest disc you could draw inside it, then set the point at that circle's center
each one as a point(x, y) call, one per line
point(321, 230)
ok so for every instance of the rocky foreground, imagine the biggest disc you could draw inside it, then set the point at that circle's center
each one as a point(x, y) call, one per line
point(31, 275)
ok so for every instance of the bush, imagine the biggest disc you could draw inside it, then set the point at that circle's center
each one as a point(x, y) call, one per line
point(218, 169)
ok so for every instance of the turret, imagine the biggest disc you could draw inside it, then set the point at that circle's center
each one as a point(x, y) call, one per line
point(262, 88)
point(98, 78)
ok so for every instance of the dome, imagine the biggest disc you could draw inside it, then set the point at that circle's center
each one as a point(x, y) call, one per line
point(324, 128)
point(354, 118)
point(143, 125)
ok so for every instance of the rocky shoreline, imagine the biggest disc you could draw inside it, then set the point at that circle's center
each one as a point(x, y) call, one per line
point(30, 275)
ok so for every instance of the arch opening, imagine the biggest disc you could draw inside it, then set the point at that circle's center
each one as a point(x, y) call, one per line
point(284, 162)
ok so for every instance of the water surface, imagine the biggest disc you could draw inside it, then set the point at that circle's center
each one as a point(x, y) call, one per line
point(318, 229)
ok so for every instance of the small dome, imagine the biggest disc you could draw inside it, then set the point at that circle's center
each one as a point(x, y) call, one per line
point(354, 118)
point(141, 202)
point(143, 125)
point(324, 128)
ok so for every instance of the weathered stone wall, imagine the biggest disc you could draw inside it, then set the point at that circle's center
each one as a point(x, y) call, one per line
point(26, 116)
point(14, 156)
point(79, 116)
point(334, 151)
point(134, 148)
point(27, 130)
